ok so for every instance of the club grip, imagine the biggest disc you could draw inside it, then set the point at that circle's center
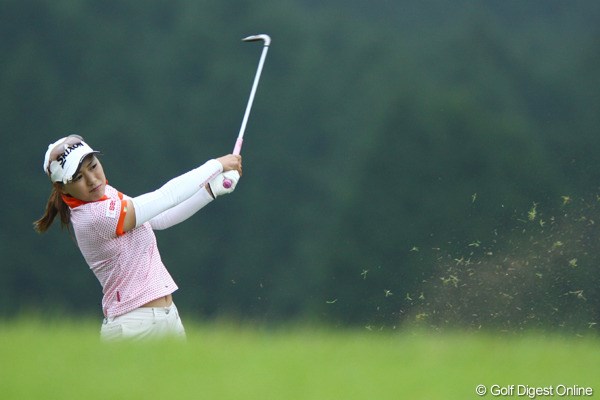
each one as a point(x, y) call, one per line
point(237, 149)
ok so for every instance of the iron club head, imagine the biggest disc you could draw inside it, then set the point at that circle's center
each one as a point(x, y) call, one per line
point(256, 38)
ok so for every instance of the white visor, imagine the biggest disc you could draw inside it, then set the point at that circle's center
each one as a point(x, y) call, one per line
point(67, 163)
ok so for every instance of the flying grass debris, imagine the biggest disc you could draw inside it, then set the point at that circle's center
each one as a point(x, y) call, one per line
point(460, 261)
point(578, 294)
point(451, 280)
point(421, 316)
point(532, 213)
point(529, 273)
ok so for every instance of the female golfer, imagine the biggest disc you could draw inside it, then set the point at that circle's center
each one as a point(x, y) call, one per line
point(115, 234)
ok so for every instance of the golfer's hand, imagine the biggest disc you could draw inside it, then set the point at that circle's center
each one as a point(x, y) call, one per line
point(231, 162)
point(215, 186)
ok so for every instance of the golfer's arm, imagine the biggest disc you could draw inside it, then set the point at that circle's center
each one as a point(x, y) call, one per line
point(138, 210)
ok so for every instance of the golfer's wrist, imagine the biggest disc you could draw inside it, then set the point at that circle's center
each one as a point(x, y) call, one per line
point(209, 190)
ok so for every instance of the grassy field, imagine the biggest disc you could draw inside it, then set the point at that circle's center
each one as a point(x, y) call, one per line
point(65, 360)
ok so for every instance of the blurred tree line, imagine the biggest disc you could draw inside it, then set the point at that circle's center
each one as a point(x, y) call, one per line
point(383, 135)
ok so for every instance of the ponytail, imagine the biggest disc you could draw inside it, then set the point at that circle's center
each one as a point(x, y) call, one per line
point(55, 206)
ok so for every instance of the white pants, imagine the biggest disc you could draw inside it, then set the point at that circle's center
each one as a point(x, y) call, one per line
point(144, 323)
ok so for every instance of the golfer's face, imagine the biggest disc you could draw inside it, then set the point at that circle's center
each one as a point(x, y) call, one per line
point(89, 183)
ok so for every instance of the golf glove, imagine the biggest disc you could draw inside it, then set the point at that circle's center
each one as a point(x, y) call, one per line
point(216, 184)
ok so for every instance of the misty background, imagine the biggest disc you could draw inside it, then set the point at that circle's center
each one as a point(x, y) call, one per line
point(406, 162)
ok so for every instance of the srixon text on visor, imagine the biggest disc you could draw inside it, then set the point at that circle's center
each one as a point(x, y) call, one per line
point(62, 159)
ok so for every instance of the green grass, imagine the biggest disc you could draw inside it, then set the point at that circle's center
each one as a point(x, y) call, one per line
point(65, 360)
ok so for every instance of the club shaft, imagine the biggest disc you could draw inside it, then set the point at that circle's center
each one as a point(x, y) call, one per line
point(240, 139)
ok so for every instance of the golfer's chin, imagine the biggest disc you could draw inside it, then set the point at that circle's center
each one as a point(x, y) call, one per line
point(97, 193)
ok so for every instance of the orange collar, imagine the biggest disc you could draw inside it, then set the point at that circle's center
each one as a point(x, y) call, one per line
point(72, 202)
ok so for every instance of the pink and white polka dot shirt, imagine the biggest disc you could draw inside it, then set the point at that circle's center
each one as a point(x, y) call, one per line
point(128, 265)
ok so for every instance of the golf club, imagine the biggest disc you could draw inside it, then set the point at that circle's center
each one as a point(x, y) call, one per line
point(240, 139)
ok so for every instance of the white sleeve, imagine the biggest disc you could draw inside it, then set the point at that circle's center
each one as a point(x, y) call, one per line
point(174, 192)
point(182, 211)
